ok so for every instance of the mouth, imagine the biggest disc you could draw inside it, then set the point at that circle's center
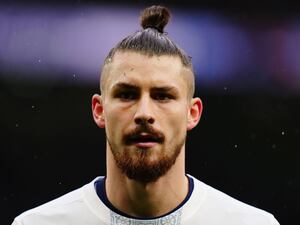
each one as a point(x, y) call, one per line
point(144, 140)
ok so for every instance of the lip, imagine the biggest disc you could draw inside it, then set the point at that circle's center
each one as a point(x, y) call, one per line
point(145, 144)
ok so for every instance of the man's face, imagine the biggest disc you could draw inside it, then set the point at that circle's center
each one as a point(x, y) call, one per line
point(145, 111)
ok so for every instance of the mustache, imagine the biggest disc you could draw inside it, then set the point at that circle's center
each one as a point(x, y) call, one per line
point(135, 134)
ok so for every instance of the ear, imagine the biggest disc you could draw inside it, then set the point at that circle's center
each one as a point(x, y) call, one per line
point(98, 110)
point(194, 114)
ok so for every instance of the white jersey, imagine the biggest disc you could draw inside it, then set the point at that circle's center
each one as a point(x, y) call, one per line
point(204, 206)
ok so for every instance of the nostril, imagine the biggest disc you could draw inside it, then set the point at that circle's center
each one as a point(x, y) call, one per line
point(138, 120)
point(141, 120)
point(151, 120)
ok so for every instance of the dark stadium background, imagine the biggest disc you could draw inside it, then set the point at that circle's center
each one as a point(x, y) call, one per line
point(246, 145)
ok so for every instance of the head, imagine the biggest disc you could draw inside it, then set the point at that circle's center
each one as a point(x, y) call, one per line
point(146, 104)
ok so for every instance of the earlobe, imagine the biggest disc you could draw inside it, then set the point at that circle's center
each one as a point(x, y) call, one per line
point(195, 111)
point(98, 110)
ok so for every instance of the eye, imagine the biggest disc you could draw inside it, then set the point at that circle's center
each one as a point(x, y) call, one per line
point(126, 95)
point(162, 96)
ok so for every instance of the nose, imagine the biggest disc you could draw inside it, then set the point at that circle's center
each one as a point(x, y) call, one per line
point(144, 113)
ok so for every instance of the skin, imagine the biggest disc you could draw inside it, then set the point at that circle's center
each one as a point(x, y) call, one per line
point(158, 93)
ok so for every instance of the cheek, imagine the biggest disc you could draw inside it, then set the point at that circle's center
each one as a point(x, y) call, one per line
point(116, 121)
point(176, 121)
point(111, 122)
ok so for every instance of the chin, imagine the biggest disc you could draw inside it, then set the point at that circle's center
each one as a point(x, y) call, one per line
point(144, 166)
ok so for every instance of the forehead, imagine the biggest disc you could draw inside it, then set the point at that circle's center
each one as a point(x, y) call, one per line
point(141, 69)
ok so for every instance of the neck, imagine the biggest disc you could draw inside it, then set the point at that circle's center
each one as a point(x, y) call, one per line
point(146, 199)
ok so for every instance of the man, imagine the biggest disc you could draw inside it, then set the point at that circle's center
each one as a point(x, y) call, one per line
point(146, 107)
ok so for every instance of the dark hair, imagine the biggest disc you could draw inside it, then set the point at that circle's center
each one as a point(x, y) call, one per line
point(152, 40)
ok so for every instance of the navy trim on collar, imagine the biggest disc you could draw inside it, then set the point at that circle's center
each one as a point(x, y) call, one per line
point(100, 190)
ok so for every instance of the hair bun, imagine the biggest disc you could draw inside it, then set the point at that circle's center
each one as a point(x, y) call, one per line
point(156, 17)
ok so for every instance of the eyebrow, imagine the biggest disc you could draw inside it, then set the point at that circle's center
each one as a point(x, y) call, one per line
point(125, 85)
point(164, 89)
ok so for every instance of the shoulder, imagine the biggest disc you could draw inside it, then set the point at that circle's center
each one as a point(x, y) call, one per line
point(67, 206)
point(219, 206)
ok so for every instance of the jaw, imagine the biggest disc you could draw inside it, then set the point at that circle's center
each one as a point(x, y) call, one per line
point(117, 176)
point(144, 165)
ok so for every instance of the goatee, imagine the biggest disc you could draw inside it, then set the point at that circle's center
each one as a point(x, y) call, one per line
point(139, 167)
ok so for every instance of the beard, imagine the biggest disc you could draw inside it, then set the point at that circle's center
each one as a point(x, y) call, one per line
point(139, 166)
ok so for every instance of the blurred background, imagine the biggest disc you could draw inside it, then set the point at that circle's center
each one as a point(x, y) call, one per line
point(246, 56)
